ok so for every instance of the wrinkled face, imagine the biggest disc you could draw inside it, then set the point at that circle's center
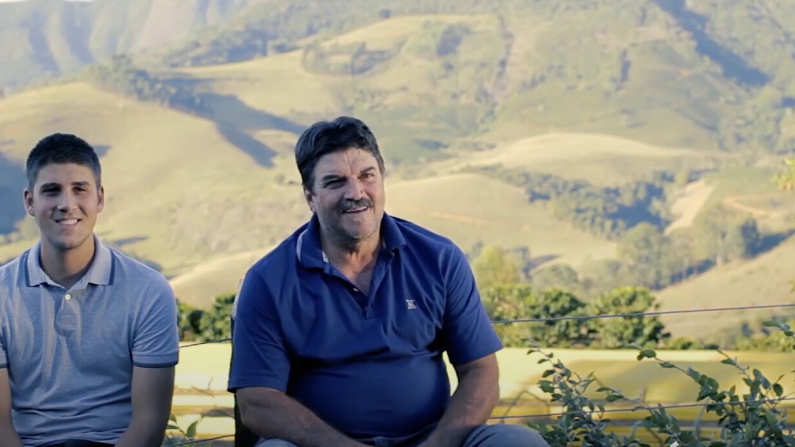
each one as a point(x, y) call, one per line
point(348, 195)
point(65, 202)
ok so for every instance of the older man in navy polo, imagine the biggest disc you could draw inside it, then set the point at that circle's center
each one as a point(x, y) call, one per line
point(340, 331)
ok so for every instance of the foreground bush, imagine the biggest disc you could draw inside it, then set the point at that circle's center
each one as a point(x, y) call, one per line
point(751, 419)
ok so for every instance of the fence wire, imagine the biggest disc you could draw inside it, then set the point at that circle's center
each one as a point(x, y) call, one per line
point(594, 317)
point(646, 408)
point(577, 317)
point(572, 413)
point(199, 441)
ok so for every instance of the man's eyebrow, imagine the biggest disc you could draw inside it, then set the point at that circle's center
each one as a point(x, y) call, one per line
point(51, 185)
point(332, 176)
point(367, 170)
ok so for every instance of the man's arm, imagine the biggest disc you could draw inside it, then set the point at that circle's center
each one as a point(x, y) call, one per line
point(260, 370)
point(8, 435)
point(272, 414)
point(152, 389)
point(473, 401)
point(155, 353)
point(471, 343)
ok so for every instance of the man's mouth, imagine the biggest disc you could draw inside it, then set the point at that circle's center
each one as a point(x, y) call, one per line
point(360, 209)
point(68, 222)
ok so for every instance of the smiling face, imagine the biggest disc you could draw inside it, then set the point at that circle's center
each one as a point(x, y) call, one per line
point(65, 201)
point(348, 195)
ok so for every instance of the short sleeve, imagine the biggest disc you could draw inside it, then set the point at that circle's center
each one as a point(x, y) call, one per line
point(156, 339)
point(467, 331)
point(3, 350)
point(259, 356)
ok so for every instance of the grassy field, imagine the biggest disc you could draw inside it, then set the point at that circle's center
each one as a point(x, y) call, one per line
point(201, 385)
point(203, 195)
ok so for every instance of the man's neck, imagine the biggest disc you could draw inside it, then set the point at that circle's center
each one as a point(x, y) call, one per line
point(67, 267)
point(355, 256)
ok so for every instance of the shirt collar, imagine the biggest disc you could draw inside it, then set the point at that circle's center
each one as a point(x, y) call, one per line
point(100, 272)
point(309, 249)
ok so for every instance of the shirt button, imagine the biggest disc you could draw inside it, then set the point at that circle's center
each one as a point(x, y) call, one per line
point(68, 297)
point(355, 289)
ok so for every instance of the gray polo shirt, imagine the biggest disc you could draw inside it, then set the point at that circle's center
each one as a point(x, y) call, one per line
point(70, 353)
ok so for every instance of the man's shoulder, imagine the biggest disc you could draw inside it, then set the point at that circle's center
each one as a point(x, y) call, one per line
point(421, 238)
point(126, 269)
point(10, 268)
point(281, 258)
point(10, 274)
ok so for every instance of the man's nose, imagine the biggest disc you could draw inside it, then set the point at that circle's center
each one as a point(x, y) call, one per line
point(354, 190)
point(67, 201)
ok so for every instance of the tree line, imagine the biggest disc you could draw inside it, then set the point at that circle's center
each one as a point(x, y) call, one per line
point(566, 319)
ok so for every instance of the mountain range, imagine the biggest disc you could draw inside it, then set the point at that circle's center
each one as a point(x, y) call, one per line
point(549, 126)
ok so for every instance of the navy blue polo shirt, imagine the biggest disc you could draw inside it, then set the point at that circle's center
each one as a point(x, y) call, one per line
point(368, 365)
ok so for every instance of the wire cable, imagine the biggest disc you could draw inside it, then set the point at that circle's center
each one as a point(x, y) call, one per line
point(593, 317)
point(641, 408)
point(199, 441)
point(644, 314)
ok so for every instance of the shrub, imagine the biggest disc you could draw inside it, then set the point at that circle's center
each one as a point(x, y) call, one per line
point(751, 419)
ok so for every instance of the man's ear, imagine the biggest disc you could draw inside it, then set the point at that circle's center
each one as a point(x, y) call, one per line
point(310, 199)
point(27, 197)
point(101, 199)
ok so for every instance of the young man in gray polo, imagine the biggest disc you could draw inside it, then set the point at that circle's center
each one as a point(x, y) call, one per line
point(88, 336)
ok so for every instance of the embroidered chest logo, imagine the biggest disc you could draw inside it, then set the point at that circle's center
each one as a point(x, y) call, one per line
point(410, 304)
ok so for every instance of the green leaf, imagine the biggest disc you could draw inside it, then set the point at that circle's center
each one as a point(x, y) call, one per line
point(770, 323)
point(548, 373)
point(613, 398)
point(191, 432)
point(647, 353)
point(778, 389)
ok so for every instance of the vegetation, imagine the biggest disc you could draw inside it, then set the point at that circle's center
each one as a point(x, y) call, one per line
point(207, 325)
point(786, 179)
point(750, 418)
point(121, 75)
point(603, 211)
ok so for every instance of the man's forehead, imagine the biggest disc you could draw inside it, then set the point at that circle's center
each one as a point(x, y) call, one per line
point(65, 173)
point(349, 160)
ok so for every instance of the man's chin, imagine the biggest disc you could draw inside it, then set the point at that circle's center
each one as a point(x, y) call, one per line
point(66, 244)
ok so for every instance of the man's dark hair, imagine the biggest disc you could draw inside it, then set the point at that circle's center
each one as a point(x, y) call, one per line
point(61, 148)
point(325, 137)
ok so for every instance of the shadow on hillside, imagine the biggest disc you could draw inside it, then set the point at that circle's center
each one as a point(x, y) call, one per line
point(100, 149)
point(12, 183)
point(733, 66)
point(236, 120)
point(771, 241)
point(260, 152)
point(536, 262)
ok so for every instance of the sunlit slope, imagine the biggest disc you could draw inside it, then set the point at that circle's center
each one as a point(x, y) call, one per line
point(600, 159)
point(414, 79)
point(471, 207)
point(765, 280)
point(177, 190)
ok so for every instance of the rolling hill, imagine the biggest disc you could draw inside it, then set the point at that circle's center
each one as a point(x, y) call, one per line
point(44, 39)
point(196, 122)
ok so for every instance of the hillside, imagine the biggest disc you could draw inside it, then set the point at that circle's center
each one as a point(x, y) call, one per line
point(44, 39)
point(555, 127)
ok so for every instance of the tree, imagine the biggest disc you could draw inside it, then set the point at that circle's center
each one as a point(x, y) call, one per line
point(786, 179)
point(494, 267)
point(622, 332)
point(216, 324)
point(558, 276)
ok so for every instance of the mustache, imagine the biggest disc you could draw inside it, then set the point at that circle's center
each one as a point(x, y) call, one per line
point(347, 205)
